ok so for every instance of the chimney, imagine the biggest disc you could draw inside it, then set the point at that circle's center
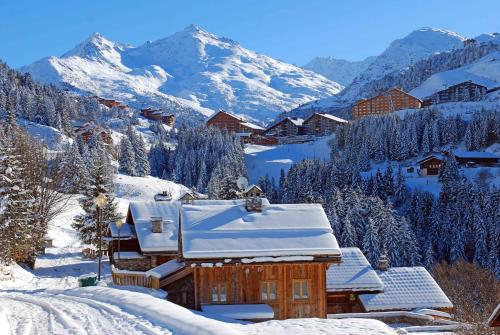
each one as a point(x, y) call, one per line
point(253, 204)
point(157, 224)
point(383, 263)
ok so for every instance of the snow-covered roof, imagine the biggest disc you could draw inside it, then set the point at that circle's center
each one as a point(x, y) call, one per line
point(474, 154)
point(240, 312)
point(406, 288)
point(125, 230)
point(142, 212)
point(354, 273)
point(165, 269)
point(334, 118)
point(296, 121)
point(219, 231)
point(433, 155)
point(127, 255)
point(250, 187)
point(202, 202)
point(494, 316)
point(251, 125)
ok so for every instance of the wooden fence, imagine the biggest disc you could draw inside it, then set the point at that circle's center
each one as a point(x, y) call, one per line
point(132, 279)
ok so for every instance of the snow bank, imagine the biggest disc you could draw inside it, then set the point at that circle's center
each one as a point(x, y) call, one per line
point(240, 312)
point(160, 312)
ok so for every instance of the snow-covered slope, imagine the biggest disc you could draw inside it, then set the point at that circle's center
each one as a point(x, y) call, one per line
point(339, 70)
point(485, 71)
point(400, 54)
point(191, 70)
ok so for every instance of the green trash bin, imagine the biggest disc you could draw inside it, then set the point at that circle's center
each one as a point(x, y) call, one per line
point(87, 280)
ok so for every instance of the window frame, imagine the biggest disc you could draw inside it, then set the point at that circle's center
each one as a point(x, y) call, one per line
point(268, 284)
point(220, 290)
point(301, 283)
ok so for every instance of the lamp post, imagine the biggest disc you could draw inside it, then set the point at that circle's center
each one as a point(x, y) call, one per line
point(100, 202)
point(119, 224)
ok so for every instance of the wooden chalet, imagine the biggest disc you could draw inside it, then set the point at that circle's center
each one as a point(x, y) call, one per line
point(320, 124)
point(249, 132)
point(387, 102)
point(158, 115)
point(288, 127)
point(465, 91)
point(430, 165)
point(251, 260)
point(111, 103)
point(494, 319)
point(86, 131)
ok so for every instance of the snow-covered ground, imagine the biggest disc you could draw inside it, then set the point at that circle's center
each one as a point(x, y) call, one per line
point(47, 300)
point(271, 159)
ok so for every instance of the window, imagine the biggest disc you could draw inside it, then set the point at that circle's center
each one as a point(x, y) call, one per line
point(268, 291)
point(219, 293)
point(300, 289)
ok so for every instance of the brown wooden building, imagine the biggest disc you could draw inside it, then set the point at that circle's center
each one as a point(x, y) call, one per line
point(387, 102)
point(233, 124)
point(111, 103)
point(466, 91)
point(244, 260)
point(430, 165)
point(288, 127)
point(476, 158)
point(158, 115)
point(86, 130)
point(319, 124)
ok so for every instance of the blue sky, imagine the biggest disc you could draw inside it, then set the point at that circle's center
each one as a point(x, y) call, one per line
point(290, 30)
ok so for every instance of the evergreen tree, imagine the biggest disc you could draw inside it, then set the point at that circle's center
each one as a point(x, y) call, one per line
point(371, 243)
point(127, 158)
point(141, 158)
point(100, 181)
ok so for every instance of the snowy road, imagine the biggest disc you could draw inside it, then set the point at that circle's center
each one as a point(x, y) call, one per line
point(45, 313)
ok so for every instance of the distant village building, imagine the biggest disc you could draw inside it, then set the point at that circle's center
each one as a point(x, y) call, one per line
point(430, 165)
point(110, 103)
point(466, 91)
point(387, 102)
point(288, 127)
point(86, 130)
point(469, 42)
point(320, 124)
point(249, 132)
point(158, 115)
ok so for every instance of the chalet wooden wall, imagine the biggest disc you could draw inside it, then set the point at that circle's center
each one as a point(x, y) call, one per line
point(319, 125)
point(243, 285)
point(387, 102)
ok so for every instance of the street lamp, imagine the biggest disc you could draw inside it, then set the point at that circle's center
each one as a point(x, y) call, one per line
point(119, 224)
point(100, 202)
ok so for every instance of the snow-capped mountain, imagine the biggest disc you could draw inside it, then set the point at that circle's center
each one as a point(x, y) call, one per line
point(339, 70)
point(191, 70)
point(400, 54)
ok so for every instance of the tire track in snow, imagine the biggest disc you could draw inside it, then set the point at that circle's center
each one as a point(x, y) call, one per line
point(60, 314)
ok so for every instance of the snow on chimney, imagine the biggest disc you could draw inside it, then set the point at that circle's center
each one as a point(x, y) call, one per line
point(383, 263)
point(157, 224)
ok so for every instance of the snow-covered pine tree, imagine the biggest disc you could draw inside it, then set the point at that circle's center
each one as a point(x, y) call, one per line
point(74, 172)
point(371, 243)
point(100, 181)
point(127, 158)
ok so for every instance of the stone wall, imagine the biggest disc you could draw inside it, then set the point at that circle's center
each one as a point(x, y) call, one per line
point(133, 264)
